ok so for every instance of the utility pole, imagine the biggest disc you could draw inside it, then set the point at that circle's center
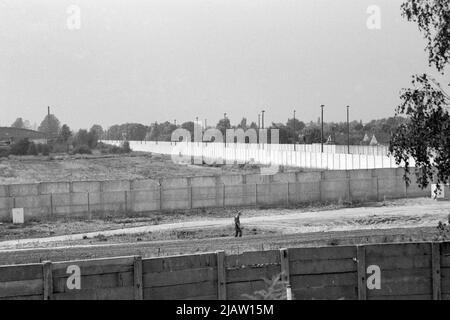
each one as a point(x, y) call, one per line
point(321, 131)
point(294, 129)
point(348, 130)
point(262, 118)
point(48, 122)
point(206, 123)
point(259, 126)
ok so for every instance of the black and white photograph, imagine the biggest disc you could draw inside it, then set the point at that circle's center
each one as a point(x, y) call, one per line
point(225, 150)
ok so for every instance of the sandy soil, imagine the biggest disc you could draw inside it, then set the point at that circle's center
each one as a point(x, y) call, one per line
point(29, 169)
point(48, 228)
point(156, 248)
point(413, 213)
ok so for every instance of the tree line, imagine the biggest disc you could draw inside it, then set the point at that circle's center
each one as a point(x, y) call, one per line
point(61, 139)
point(293, 131)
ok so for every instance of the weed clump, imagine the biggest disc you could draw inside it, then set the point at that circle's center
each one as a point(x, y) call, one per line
point(276, 290)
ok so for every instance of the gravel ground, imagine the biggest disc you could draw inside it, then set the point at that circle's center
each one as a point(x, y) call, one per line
point(33, 169)
point(400, 214)
point(229, 244)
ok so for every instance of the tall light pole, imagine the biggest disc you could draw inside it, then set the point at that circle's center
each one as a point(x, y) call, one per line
point(321, 131)
point(348, 129)
point(294, 130)
point(259, 127)
point(262, 118)
point(48, 122)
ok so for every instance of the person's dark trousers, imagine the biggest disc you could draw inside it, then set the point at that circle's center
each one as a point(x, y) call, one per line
point(238, 232)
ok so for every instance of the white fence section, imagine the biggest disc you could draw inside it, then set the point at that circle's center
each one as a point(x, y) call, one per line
point(331, 148)
point(265, 154)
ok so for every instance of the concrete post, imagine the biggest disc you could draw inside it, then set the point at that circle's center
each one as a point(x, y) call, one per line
point(160, 197)
point(189, 192)
point(89, 206)
point(51, 204)
point(256, 195)
point(223, 195)
point(126, 202)
point(349, 187)
point(287, 195)
point(160, 194)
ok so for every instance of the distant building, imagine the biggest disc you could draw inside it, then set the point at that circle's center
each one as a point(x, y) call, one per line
point(374, 141)
point(10, 135)
point(366, 139)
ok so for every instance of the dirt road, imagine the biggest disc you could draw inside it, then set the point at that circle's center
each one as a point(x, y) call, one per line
point(229, 244)
point(413, 213)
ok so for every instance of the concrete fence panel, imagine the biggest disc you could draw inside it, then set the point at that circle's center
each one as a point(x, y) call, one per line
point(118, 185)
point(144, 184)
point(177, 198)
point(54, 187)
point(391, 188)
point(281, 189)
point(18, 190)
point(87, 186)
point(240, 195)
point(404, 270)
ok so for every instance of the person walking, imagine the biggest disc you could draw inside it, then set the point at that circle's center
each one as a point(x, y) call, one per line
point(237, 225)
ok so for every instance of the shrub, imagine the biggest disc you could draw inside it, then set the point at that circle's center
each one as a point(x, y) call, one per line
point(111, 149)
point(32, 150)
point(126, 147)
point(276, 290)
point(83, 137)
point(43, 149)
point(4, 152)
point(20, 148)
point(82, 149)
point(115, 150)
point(60, 148)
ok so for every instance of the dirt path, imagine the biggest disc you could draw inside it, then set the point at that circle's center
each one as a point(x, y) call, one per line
point(230, 244)
point(35, 169)
point(418, 213)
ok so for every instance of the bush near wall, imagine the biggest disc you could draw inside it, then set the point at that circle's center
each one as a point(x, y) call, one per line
point(111, 149)
point(82, 149)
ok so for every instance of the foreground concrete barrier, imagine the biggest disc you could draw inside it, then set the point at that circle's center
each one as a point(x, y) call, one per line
point(100, 199)
point(363, 272)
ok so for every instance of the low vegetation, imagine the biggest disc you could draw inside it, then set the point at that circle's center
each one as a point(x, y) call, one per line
point(82, 143)
point(276, 290)
point(25, 147)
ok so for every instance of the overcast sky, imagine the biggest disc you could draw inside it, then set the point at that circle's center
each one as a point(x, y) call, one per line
point(146, 61)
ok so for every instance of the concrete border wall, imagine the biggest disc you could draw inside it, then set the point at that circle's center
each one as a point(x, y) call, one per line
point(101, 199)
point(300, 156)
point(405, 271)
